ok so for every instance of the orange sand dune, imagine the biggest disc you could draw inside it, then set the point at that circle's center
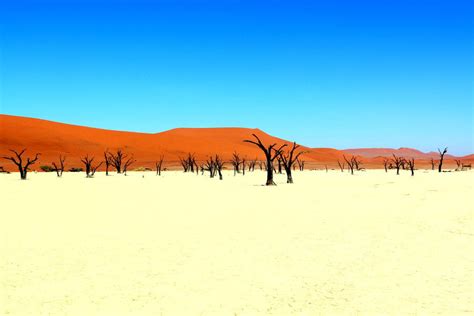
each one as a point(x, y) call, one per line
point(52, 138)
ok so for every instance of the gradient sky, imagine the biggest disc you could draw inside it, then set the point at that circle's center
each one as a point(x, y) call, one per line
point(339, 74)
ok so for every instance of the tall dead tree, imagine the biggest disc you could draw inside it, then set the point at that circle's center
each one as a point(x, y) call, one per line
point(341, 166)
point(90, 169)
point(23, 166)
point(243, 165)
point(117, 160)
point(288, 160)
point(210, 166)
point(236, 162)
point(411, 165)
point(279, 161)
point(398, 161)
point(107, 161)
point(218, 164)
point(159, 164)
point(127, 164)
point(350, 163)
point(189, 163)
point(270, 154)
point(59, 168)
point(432, 164)
point(441, 157)
point(386, 161)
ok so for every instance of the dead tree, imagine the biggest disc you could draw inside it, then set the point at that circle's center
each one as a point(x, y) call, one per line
point(243, 165)
point(441, 158)
point(411, 165)
point(279, 164)
point(158, 165)
point(350, 163)
point(218, 164)
point(60, 167)
point(23, 167)
point(210, 166)
point(432, 164)
point(458, 163)
point(357, 163)
point(189, 163)
point(288, 160)
point(126, 164)
point(117, 160)
point(398, 161)
point(300, 164)
point(386, 161)
point(236, 162)
point(270, 154)
point(252, 164)
point(107, 161)
point(90, 169)
point(341, 166)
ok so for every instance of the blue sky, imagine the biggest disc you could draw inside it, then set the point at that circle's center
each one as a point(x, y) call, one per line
point(339, 74)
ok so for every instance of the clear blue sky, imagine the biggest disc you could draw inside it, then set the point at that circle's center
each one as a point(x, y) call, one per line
point(338, 74)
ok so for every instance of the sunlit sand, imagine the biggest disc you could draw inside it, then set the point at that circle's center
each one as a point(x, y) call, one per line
point(181, 244)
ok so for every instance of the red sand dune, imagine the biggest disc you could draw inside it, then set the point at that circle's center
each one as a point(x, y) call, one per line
point(52, 138)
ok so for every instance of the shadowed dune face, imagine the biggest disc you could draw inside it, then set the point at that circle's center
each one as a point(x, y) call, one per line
point(51, 139)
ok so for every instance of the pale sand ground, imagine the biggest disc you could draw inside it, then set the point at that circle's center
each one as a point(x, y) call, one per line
point(181, 244)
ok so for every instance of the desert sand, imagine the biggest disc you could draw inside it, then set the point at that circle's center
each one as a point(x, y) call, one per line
point(181, 244)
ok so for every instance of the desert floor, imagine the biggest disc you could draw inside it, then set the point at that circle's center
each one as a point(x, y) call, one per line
point(181, 244)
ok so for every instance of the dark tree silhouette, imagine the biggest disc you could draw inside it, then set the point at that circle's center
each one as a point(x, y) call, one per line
point(411, 165)
point(244, 160)
point(458, 163)
point(432, 164)
point(189, 163)
point(90, 169)
point(300, 164)
point(398, 161)
point(107, 161)
point(159, 165)
point(386, 161)
point(218, 164)
point(22, 166)
point(352, 163)
point(341, 166)
point(59, 168)
point(236, 162)
point(288, 160)
point(279, 161)
point(210, 166)
point(117, 160)
point(441, 158)
point(270, 154)
point(127, 164)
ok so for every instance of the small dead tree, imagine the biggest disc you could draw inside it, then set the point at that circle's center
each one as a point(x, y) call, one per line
point(210, 166)
point(350, 163)
point(159, 164)
point(300, 164)
point(432, 164)
point(398, 161)
point(90, 169)
point(244, 161)
point(411, 165)
point(117, 160)
point(288, 160)
point(59, 168)
point(458, 163)
point(189, 163)
point(107, 161)
point(127, 164)
point(270, 154)
point(279, 161)
point(441, 158)
point(341, 165)
point(218, 164)
point(236, 162)
point(22, 166)
point(357, 163)
point(386, 162)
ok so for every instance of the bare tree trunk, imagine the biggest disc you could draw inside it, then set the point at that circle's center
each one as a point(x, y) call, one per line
point(441, 157)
